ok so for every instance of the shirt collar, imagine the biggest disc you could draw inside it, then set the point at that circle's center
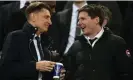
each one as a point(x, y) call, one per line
point(97, 36)
point(36, 36)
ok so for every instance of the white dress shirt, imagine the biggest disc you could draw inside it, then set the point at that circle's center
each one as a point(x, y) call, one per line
point(38, 55)
point(22, 3)
point(98, 36)
point(73, 26)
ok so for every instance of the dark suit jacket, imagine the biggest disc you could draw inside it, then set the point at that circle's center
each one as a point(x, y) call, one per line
point(1, 30)
point(4, 3)
point(14, 19)
point(64, 19)
point(107, 60)
point(19, 55)
point(7, 20)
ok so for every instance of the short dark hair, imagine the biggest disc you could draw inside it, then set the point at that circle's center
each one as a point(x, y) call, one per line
point(107, 12)
point(94, 11)
point(36, 7)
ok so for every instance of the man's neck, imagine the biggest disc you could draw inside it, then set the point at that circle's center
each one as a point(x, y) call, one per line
point(38, 31)
point(79, 4)
point(32, 23)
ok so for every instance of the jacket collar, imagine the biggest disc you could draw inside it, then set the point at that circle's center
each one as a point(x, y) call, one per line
point(106, 33)
point(30, 30)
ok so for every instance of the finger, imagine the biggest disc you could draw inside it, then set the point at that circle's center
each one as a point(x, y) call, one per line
point(49, 68)
point(62, 75)
point(46, 69)
point(61, 78)
point(63, 71)
point(52, 63)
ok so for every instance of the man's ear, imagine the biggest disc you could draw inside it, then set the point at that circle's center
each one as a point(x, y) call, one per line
point(32, 16)
point(97, 20)
point(105, 21)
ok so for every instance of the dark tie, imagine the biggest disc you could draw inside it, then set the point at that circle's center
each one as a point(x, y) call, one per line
point(92, 40)
point(40, 47)
point(78, 31)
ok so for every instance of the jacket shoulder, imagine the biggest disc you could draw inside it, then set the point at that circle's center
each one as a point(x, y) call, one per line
point(77, 46)
point(117, 39)
point(64, 13)
point(16, 34)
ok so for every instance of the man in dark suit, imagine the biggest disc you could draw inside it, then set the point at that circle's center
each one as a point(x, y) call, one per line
point(13, 17)
point(25, 52)
point(97, 54)
point(116, 21)
point(64, 21)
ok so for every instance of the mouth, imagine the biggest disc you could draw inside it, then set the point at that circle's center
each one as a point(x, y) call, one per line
point(47, 26)
point(83, 27)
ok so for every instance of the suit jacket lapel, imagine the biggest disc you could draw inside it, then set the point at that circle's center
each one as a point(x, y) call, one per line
point(46, 52)
point(66, 28)
point(68, 19)
point(33, 51)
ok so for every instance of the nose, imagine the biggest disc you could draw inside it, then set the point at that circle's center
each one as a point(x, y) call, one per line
point(50, 22)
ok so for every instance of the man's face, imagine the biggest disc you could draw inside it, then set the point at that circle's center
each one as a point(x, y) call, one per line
point(87, 24)
point(42, 20)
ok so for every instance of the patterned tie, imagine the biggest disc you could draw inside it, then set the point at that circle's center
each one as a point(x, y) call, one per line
point(78, 29)
point(40, 47)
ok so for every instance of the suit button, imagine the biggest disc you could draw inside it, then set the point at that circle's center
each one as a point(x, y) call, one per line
point(94, 70)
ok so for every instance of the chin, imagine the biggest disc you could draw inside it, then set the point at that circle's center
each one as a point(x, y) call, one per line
point(45, 30)
point(83, 33)
point(86, 33)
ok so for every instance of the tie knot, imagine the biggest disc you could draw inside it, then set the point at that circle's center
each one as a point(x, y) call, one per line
point(27, 3)
point(92, 40)
point(38, 39)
